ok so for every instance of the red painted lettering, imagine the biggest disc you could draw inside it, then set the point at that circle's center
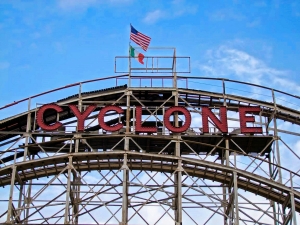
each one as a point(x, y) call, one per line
point(245, 119)
point(101, 116)
point(221, 123)
point(185, 112)
point(81, 116)
point(138, 123)
point(40, 117)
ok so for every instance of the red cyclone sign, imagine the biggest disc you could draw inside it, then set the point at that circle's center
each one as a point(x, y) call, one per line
point(220, 123)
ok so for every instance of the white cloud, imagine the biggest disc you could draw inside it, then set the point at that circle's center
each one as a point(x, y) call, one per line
point(33, 45)
point(36, 35)
point(176, 9)
point(58, 47)
point(181, 8)
point(254, 23)
point(176, 2)
point(154, 16)
point(260, 4)
point(226, 14)
point(236, 64)
point(84, 4)
point(290, 84)
point(4, 65)
point(185, 10)
point(71, 4)
point(119, 1)
point(296, 147)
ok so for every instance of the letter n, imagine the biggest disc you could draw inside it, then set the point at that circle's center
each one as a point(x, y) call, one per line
point(221, 123)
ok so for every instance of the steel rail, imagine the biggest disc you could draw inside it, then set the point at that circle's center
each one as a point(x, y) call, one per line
point(163, 163)
point(240, 82)
point(169, 138)
point(145, 77)
point(263, 185)
point(283, 113)
point(60, 88)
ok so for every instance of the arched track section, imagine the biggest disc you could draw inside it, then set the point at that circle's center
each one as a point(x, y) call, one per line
point(151, 162)
point(66, 176)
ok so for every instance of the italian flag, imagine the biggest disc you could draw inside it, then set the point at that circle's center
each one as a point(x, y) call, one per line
point(137, 55)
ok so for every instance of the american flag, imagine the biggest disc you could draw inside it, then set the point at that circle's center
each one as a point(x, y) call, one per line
point(139, 38)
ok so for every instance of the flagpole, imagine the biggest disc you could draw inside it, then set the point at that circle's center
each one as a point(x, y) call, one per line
point(126, 148)
point(129, 66)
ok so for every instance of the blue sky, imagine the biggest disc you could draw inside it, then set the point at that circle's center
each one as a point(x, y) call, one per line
point(48, 44)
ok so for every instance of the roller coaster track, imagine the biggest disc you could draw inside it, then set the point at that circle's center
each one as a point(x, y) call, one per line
point(29, 154)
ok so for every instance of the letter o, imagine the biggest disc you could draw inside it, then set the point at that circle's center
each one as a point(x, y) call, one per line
point(185, 112)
